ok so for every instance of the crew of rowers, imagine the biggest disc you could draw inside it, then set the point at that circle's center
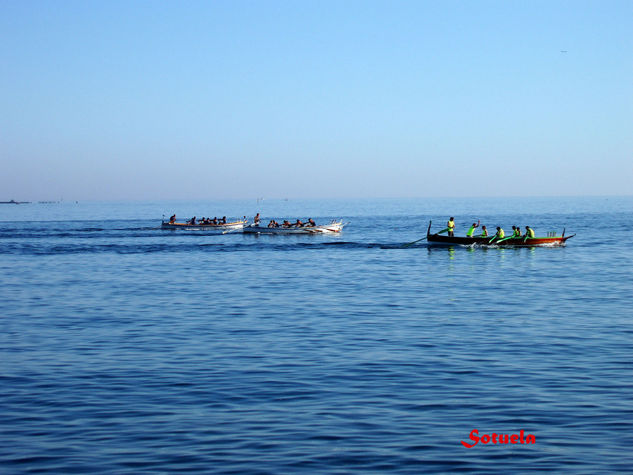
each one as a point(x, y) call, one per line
point(500, 234)
point(214, 222)
point(287, 224)
point(202, 221)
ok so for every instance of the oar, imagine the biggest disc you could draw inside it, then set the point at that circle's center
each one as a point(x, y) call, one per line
point(442, 231)
point(505, 239)
point(413, 242)
point(500, 240)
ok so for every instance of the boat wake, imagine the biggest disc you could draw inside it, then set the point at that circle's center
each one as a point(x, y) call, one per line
point(18, 248)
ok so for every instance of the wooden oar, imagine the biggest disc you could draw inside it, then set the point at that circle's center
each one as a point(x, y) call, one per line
point(413, 242)
point(500, 240)
point(505, 239)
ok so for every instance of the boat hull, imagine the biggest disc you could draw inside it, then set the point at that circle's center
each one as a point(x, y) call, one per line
point(438, 240)
point(331, 228)
point(236, 226)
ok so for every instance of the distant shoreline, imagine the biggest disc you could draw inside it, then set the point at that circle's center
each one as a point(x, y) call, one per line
point(13, 202)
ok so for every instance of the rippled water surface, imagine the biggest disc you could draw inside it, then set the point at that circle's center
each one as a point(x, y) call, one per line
point(125, 348)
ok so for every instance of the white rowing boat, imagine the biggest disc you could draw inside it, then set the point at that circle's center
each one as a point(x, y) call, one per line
point(333, 227)
point(235, 226)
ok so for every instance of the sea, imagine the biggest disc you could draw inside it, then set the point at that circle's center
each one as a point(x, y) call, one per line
point(125, 348)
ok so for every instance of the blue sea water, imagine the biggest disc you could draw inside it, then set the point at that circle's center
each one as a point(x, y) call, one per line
point(125, 348)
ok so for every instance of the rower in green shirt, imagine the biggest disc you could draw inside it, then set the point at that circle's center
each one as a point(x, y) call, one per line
point(484, 231)
point(500, 234)
point(529, 232)
point(471, 230)
point(450, 226)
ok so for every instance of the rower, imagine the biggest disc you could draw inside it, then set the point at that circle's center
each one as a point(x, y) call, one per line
point(172, 219)
point(499, 234)
point(256, 219)
point(193, 220)
point(298, 223)
point(529, 232)
point(311, 223)
point(471, 230)
point(223, 220)
point(517, 231)
point(451, 226)
point(484, 231)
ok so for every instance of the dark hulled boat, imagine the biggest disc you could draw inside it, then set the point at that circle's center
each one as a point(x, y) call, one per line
point(437, 239)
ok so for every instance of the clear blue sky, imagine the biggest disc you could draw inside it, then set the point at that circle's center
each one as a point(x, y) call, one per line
point(307, 99)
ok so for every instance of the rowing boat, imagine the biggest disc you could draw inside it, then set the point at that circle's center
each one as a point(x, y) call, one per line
point(234, 226)
point(522, 241)
point(333, 227)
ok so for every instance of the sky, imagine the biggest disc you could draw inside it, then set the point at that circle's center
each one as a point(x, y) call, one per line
point(145, 100)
